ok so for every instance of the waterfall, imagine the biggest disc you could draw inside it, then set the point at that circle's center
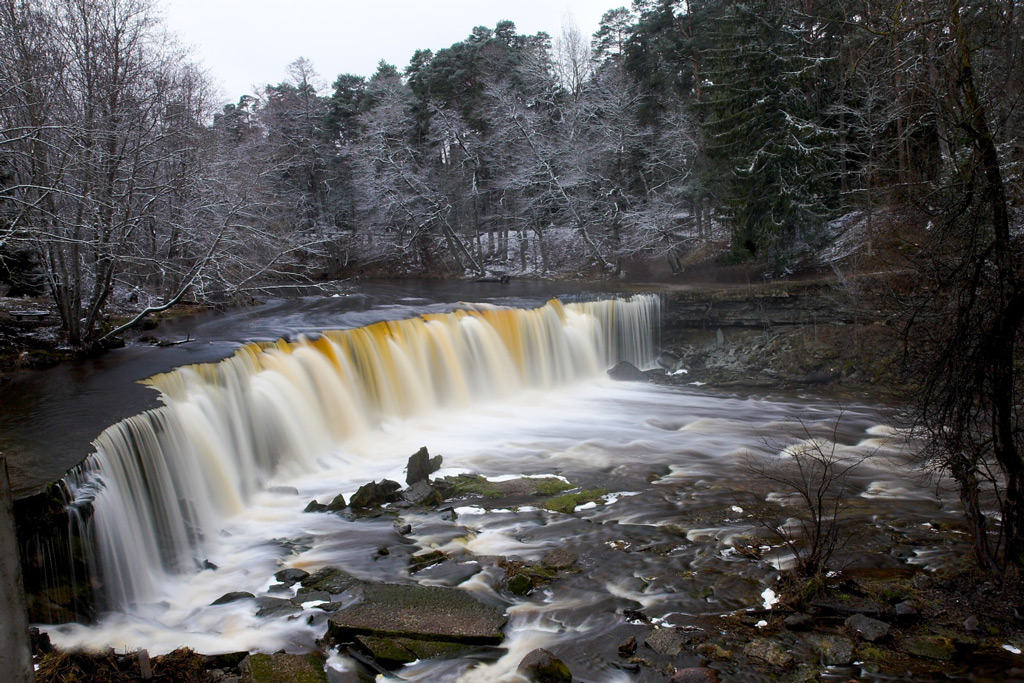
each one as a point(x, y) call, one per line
point(159, 483)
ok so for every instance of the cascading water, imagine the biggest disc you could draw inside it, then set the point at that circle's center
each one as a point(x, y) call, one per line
point(160, 483)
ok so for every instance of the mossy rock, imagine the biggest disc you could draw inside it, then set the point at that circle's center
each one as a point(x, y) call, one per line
point(466, 485)
point(567, 503)
point(282, 668)
point(930, 647)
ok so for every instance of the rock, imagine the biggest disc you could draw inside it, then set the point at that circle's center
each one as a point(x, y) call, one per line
point(667, 641)
point(315, 506)
point(625, 371)
point(263, 668)
point(234, 596)
point(392, 653)
point(210, 565)
point(540, 666)
point(338, 504)
point(374, 495)
point(636, 616)
point(311, 596)
point(852, 606)
point(422, 560)
point(628, 648)
point(930, 647)
point(871, 630)
point(329, 580)
point(905, 611)
point(770, 652)
point(446, 617)
point(421, 466)
point(799, 622)
point(971, 624)
point(403, 529)
point(558, 558)
point(714, 652)
point(291, 575)
point(423, 494)
point(833, 650)
point(383, 551)
point(276, 607)
point(520, 584)
point(695, 674)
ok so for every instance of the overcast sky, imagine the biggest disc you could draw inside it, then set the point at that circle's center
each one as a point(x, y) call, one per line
point(243, 43)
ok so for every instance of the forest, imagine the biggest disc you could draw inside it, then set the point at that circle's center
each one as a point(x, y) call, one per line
point(678, 127)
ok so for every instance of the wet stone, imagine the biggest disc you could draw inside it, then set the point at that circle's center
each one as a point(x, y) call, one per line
point(423, 494)
point(291, 575)
point(559, 558)
point(972, 624)
point(667, 641)
point(799, 622)
point(769, 652)
point(625, 371)
point(833, 650)
point(930, 647)
point(714, 652)
point(696, 674)
point(329, 580)
point(540, 666)
point(233, 596)
point(337, 504)
point(421, 466)
point(315, 506)
point(373, 494)
point(275, 607)
point(905, 611)
point(871, 630)
point(265, 668)
point(628, 648)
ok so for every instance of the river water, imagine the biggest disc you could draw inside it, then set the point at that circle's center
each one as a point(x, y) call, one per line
point(673, 536)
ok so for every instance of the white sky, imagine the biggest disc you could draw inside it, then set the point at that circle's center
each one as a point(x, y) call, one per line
point(243, 43)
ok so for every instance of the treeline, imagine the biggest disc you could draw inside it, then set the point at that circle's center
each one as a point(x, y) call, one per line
point(676, 124)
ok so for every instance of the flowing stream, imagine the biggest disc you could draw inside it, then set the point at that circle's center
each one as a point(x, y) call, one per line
point(204, 495)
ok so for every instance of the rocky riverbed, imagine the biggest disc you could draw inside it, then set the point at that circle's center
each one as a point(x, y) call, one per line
point(880, 615)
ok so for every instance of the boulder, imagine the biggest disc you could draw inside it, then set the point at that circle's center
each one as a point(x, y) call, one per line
point(558, 558)
point(276, 607)
point(264, 668)
point(374, 495)
point(338, 504)
point(330, 580)
point(871, 630)
point(540, 666)
point(440, 620)
point(833, 650)
point(930, 647)
point(667, 641)
point(628, 648)
point(315, 506)
point(769, 652)
point(624, 371)
point(423, 494)
point(421, 466)
point(233, 596)
point(291, 575)
point(799, 622)
point(694, 674)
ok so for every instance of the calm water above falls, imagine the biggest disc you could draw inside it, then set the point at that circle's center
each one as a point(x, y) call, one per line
point(673, 460)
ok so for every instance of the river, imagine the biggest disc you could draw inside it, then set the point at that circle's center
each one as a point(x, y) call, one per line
point(675, 532)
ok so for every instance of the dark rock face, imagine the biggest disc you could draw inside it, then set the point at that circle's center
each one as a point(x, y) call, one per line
point(374, 495)
point(558, 558)
point(421, 466)
point(799, 622)
point(233, 596)
point(337, 504)
point(871, 630)
point(265, 668)
point(540, 666)
point(329, 580)
point(397, 624)
point(696, 674)
point(625, 371)
point(314, 506)
point(423, 494)
point(833, 650)
point(291, 575)
point(769, 652)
